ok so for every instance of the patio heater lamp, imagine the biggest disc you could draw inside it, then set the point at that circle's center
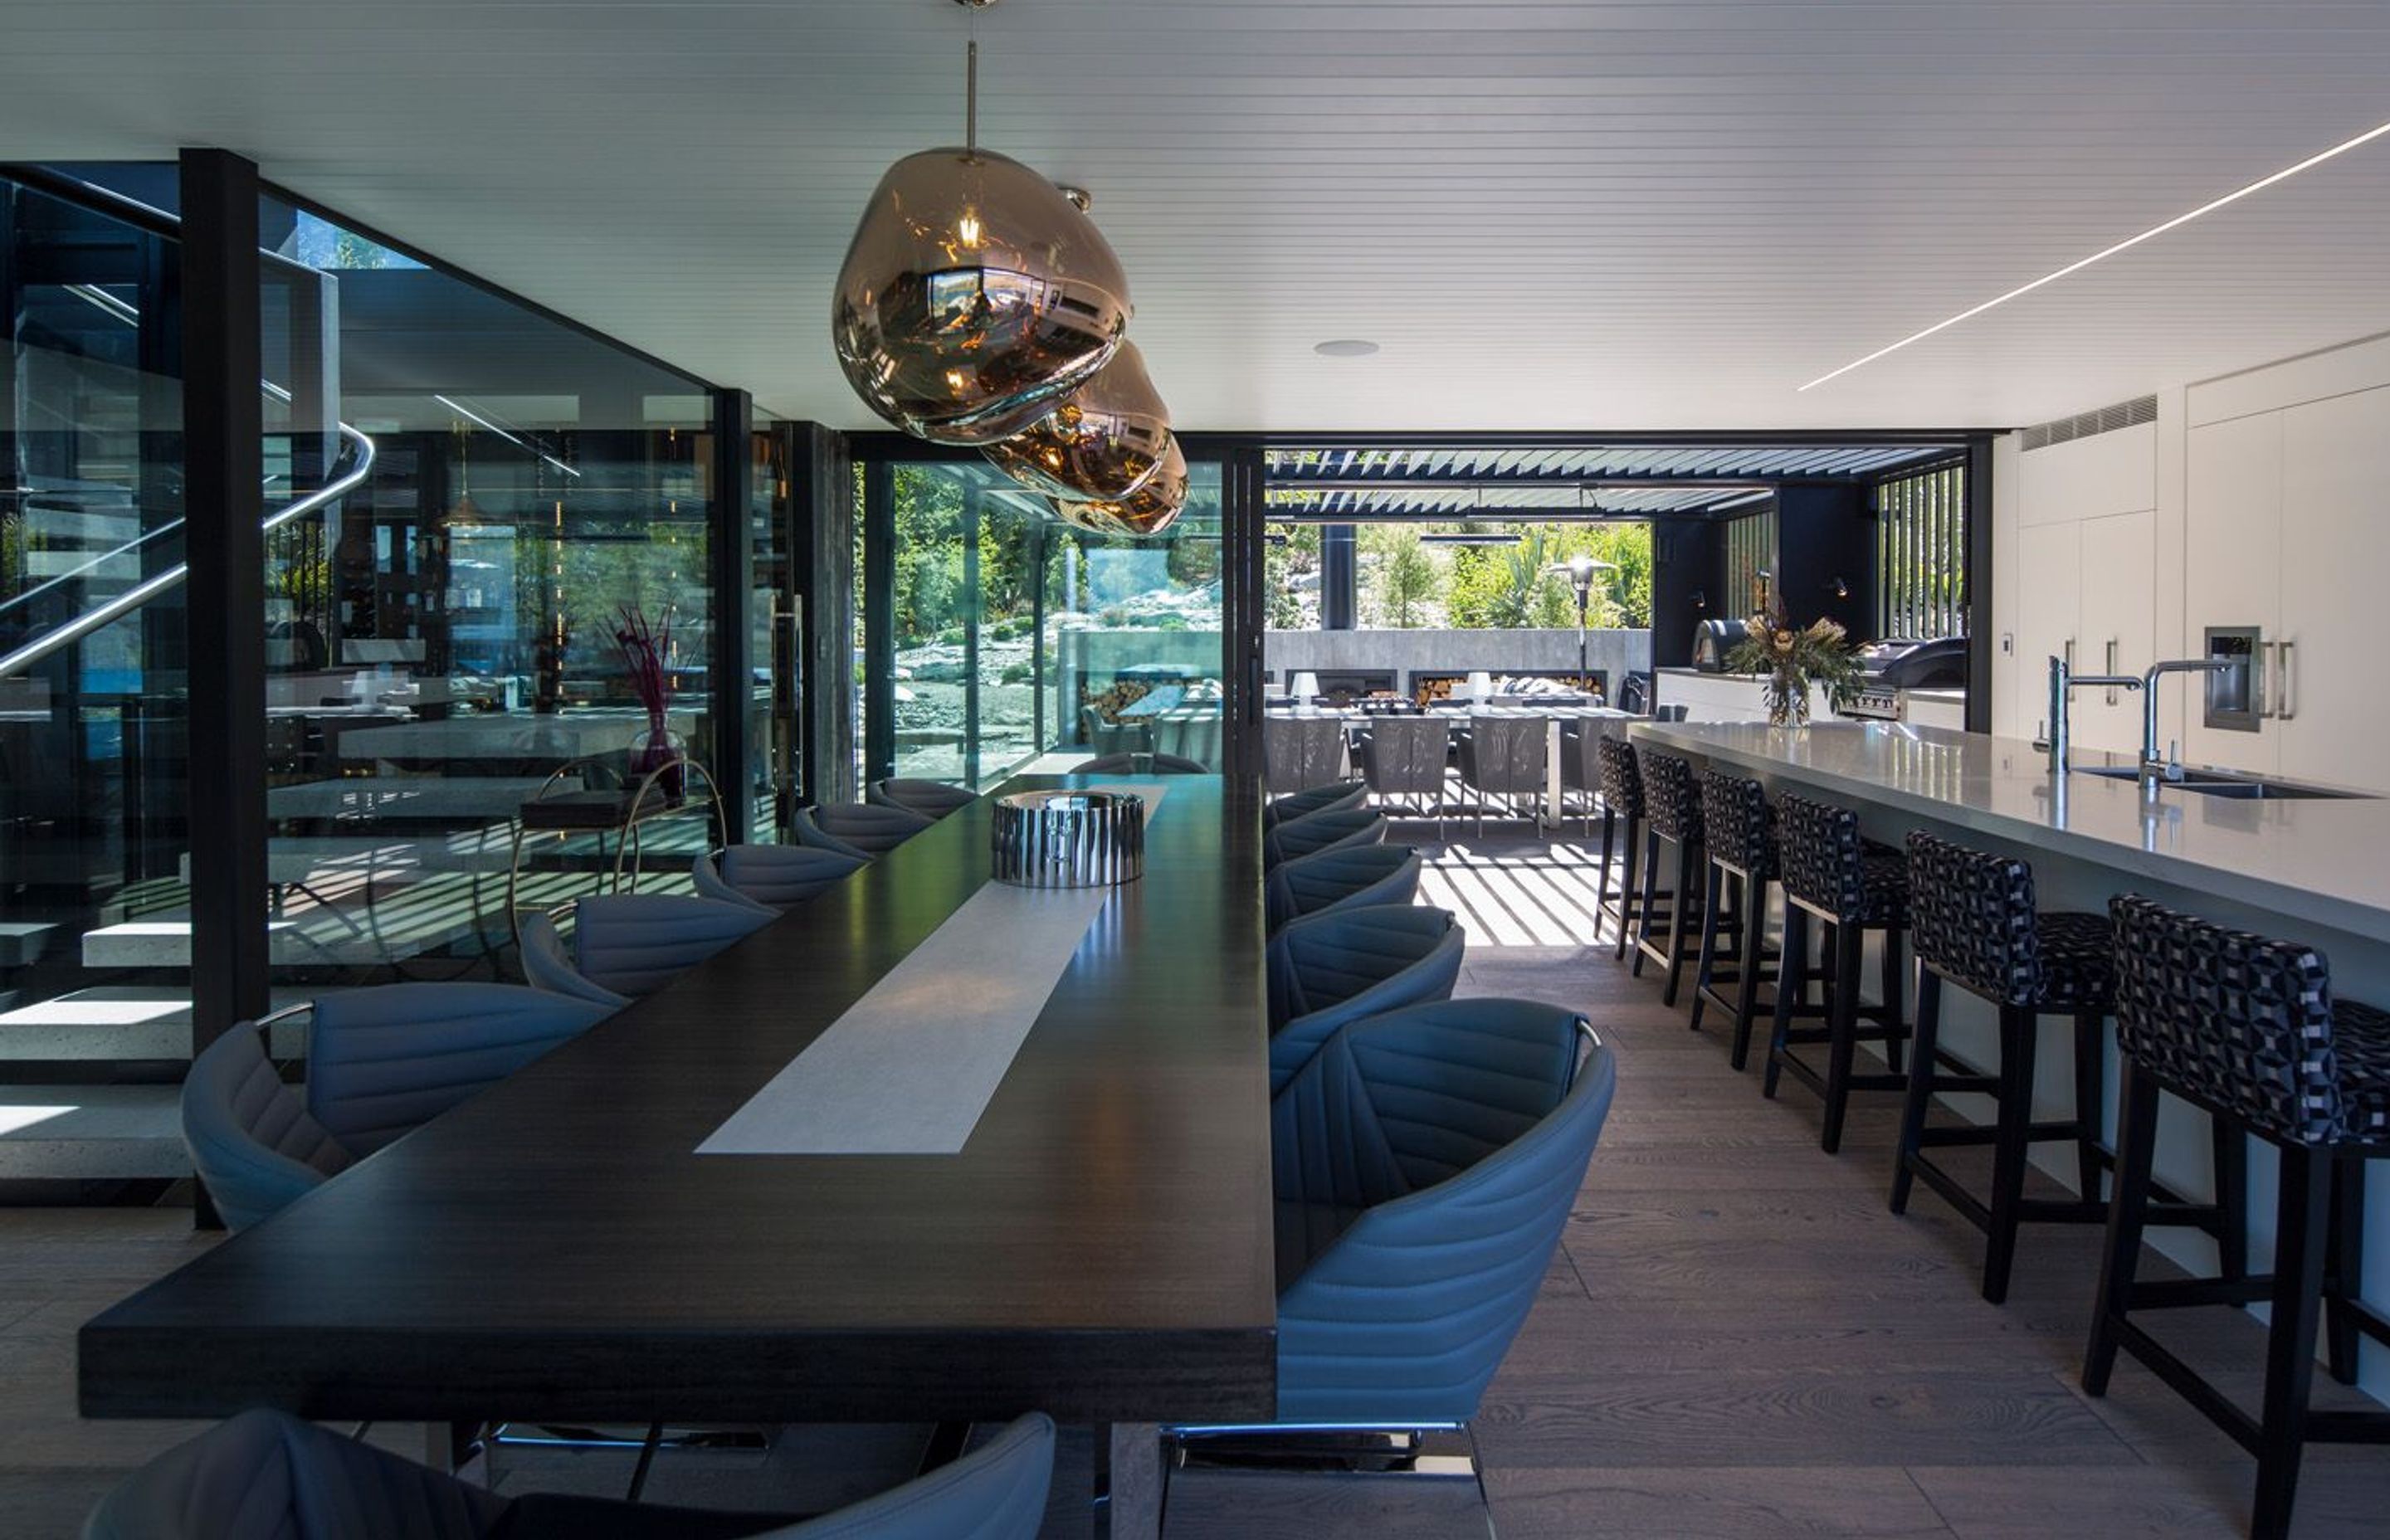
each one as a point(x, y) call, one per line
point(1581, 569)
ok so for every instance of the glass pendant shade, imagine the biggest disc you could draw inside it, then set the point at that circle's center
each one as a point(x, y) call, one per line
point(1149, 509)
point(973, 297)
point(1099, 443)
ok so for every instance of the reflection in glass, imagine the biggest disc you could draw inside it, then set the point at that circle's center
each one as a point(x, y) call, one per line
point(1021, 643)
point(973, 296)
point(442, 638)
point(92, 711)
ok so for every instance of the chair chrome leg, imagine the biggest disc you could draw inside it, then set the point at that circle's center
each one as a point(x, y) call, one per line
point(1477, 1465)
point(1376, 1453)
point(647, 1461)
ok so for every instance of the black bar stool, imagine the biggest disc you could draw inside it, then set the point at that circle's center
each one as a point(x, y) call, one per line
point(1672, 809)
point(1741, 842)
point(1621, 798)
point(1977, 926)
point(1853, 886)
point(2246, 1027)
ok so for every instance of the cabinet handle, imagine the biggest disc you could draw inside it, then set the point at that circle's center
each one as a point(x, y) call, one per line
point(2290, 695)
point(2069, 650)
point(2112, 669)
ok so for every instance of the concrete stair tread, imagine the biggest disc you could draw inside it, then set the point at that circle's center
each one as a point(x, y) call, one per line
point(90, 1132)
point(21, 941)
point(126, 1021)
point(327, 940)
point(300, 858)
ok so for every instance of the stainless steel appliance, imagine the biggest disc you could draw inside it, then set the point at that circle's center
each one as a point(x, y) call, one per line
point(1874, 702)
point(1712, 641)
point(1908, 664)
point(2236, 693)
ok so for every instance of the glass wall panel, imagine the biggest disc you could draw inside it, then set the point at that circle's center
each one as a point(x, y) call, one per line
point(455, 653)
point(93, 690)
point(776, 627)
point(1020, 643)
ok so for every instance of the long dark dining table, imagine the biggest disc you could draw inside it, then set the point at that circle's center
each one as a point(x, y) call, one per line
point(557, 1248)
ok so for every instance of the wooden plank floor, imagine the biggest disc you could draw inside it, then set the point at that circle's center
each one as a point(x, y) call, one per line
point(1736, 1340)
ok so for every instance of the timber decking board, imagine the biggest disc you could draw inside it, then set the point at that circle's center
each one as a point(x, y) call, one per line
point(1615, 1414)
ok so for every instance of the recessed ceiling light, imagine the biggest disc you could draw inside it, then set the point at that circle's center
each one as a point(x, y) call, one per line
point(2126, 245)
point(1345, 347)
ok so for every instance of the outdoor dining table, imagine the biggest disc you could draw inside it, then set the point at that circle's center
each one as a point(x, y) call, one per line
point(1610, 720)
point(870, 1164)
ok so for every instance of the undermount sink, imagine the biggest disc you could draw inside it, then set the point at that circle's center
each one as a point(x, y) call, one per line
point(2212, 783)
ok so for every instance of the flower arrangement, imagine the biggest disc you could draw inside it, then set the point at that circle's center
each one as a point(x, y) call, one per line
point(646, 652)
point(1792, 660)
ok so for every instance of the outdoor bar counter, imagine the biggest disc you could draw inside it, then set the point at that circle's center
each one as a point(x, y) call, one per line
point(2313, 869)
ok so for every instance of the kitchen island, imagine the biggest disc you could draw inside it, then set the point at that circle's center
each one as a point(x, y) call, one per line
point(2308, 868)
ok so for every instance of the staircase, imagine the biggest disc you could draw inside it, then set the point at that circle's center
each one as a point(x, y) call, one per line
point(91, 737)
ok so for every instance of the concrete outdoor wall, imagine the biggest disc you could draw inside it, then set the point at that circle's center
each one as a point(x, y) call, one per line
point(1615, 652)
point(1091, 659)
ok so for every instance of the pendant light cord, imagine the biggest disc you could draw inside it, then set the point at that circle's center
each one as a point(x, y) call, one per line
point(970, 94)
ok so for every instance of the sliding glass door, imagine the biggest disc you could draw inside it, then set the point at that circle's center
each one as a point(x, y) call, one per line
point(997, 639)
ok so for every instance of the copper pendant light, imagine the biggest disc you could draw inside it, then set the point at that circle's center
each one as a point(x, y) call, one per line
point(974, 294)
point(1151, 509)
point(1099, 443)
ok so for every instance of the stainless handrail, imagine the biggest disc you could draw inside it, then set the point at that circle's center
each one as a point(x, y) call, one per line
point(83, 624)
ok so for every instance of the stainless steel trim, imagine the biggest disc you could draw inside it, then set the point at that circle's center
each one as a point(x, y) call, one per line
point(83, 624)
point(1069, 839)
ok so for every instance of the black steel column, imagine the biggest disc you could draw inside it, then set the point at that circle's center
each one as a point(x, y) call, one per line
point(878, 619)
point(223, 463)
point(1243, 607)
point(732, 666)
point(1338, 578)
point(972, 622)
point(1037, 532)
point(824, 545)
point(1979, 584)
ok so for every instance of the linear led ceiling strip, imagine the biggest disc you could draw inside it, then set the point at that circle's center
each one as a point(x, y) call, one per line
point(2150, 234)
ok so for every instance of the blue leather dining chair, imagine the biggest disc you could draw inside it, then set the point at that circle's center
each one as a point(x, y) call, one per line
point(1332, 969)
point(775, 876)
point(930, 799)
point(380, 1062)
point(628, 945)
point(1360, 878)
point(268, 1473)
point(863, 829)
point(1125, 764)
point(1338, 828)
point(1326, 796)
point(1424, 1162)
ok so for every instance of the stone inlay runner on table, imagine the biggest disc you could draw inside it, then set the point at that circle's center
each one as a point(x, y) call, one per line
point(909, 1068)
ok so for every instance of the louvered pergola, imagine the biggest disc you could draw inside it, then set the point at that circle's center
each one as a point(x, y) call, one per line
point(1341, 483)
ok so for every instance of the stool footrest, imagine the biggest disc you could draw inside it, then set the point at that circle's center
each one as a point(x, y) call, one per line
point(2063, 1210)
point(1951, 1191)
point(1969, 1084)
point(2242, 1428)
point(2322, 1427)
point(2184, 1293)
point(1816, 1079)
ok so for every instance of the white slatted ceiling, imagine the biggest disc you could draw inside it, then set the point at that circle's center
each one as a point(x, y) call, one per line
point(1554, 217)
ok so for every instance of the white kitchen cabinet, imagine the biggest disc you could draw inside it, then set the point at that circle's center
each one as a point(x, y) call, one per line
point(2087, 591)
point(2335, 546)
point(2049, 611)
point(2117, 633)
point(2232, 569)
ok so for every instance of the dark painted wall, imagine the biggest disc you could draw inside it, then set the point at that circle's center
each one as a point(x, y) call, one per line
point(1686, 560)
point(1825, 564)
